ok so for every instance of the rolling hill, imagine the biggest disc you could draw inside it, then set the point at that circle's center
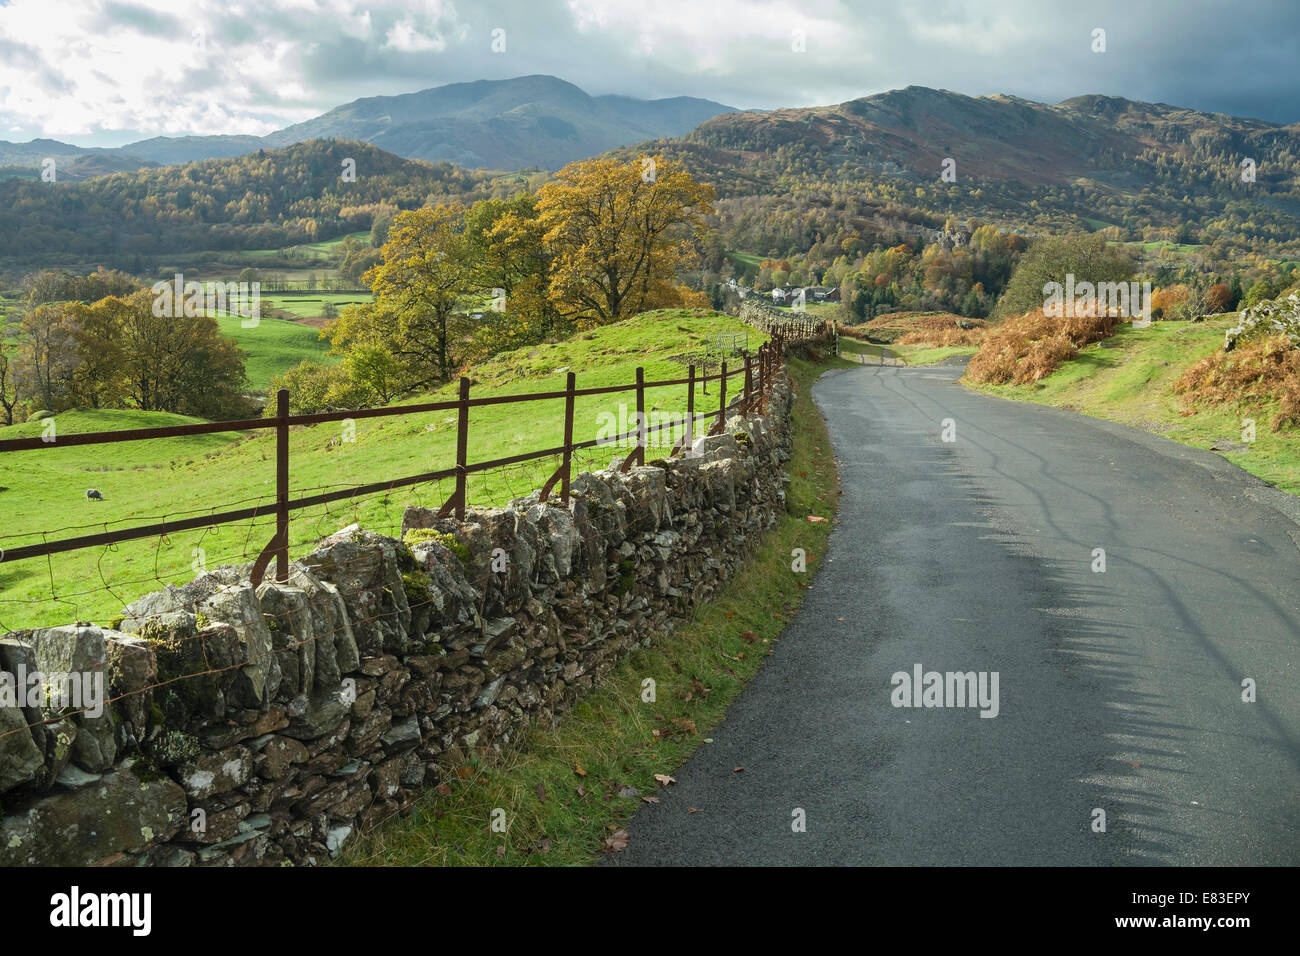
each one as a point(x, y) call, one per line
point(872, 167)
point(263, 200)
point(528, 121)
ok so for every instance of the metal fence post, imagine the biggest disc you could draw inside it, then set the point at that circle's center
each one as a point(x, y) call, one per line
point(282, 486)
point(722, 398)
point(462, 448)
point(747, 403)
point(642, 435)
point(569, 384)
point(690, 407)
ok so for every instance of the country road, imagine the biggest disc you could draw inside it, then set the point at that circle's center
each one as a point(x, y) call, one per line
point(1118, 690)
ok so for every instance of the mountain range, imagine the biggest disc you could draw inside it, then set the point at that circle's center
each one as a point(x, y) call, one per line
point(826, 178)
point(528, 121)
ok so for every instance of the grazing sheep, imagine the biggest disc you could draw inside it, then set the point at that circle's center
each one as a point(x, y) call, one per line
point(92, 494)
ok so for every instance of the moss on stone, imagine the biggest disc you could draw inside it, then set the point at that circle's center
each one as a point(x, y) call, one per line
point(416, 586)
point(626, 578)
point(449, 541)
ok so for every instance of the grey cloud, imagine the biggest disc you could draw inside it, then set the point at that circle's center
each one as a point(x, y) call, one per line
point(142, 19)
point(1205, 55)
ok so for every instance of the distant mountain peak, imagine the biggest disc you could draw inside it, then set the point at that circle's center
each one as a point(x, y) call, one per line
point(524, 121)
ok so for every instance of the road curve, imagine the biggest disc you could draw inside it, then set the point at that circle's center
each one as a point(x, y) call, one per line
point(1118, 690)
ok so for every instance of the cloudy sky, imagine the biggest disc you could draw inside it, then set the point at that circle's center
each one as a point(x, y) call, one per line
point(105, 72)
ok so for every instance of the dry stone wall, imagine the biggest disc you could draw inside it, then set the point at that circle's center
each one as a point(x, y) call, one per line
point(267, 725)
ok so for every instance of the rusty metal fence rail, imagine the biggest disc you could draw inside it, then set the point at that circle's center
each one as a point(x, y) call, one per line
point(759, 373)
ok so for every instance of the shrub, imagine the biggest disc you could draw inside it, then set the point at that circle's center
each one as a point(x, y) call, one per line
point(1217, 298)
point(942, 337)
point(1262, 371)
point(1031, 346)
point(933, 329)
point(1165, 299)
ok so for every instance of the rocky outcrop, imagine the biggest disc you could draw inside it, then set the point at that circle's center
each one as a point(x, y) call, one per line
point(245, 725)
point(1274, 317)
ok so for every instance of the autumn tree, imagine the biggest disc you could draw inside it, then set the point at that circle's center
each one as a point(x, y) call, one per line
point(619, 233)
point(47, 355)
point(98, 381)
point(1218, 298)
point(8, 388)
point(178, 364)
point(427, 265)
point(1087, 257)
point(514, 261)
point(314, 387)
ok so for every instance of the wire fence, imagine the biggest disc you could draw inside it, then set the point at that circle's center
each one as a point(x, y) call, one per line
point(150, 551)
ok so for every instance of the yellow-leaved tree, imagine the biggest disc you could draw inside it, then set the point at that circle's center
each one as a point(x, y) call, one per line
point(427, 266)
point(618, 233)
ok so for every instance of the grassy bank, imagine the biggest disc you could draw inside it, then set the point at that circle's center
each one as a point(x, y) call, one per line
point(1129, 378)
point(565, 791)
point(273, 346)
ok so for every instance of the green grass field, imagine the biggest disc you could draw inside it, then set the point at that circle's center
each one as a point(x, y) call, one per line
point(274, 345)
point(326, 251)
point(819, 311)
point(1129, 378)
point(310, 305)
point(746, 260)
point(43, 493)
point(1181, 248)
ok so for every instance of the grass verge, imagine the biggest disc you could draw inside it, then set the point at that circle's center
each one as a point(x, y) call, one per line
point(1129, 378)
point(929, 354)
point(564, 791)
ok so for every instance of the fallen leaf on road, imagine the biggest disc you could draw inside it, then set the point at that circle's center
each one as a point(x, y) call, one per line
point(738, 770)
point(664, 779)
point(616, 842)
point(649, 799)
